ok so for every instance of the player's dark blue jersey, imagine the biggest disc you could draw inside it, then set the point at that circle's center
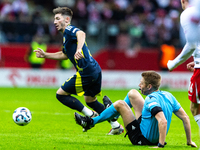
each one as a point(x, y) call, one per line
point(86, 65)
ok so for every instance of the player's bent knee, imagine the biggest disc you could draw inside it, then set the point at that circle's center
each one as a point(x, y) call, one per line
point(133, 93)
point(119, 103)
point(58, 96)
point(61, 97)
point(60, 91)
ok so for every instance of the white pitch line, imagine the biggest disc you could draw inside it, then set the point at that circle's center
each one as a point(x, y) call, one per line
point(47, 113)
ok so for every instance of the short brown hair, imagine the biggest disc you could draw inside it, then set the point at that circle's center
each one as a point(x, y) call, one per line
point(63, 11)
point(153, 78)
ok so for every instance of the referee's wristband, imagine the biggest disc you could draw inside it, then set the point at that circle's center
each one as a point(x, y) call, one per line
point(160, 145)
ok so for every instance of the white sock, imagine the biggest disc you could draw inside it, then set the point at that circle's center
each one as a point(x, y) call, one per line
point(87, 112)
point(197, 119)
point(114, 124)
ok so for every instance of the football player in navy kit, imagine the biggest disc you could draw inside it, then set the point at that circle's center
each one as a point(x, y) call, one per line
point(87, 80)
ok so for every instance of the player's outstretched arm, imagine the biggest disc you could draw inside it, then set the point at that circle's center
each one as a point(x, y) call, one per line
point(186, 123)
point(57, 56)
point(182, 57)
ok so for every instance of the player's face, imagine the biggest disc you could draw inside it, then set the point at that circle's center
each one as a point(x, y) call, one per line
point(59, 22)
point(143, 87)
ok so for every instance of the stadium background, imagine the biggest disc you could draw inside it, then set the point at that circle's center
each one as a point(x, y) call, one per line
point(122, 35)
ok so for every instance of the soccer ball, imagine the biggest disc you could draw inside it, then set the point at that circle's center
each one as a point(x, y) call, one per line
point(22, 116)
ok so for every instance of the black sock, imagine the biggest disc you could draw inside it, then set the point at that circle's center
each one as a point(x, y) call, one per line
point(70, 102)
point(98, 107)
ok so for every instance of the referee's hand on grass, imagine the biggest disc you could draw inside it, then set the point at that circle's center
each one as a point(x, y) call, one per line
point(192, 144)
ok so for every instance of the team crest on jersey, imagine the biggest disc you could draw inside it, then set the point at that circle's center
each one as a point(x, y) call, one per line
point(69, 27)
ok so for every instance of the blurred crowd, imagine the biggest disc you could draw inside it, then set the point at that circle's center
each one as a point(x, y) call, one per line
point(117, 23)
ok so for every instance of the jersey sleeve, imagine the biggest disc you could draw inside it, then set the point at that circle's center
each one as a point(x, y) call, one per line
point(152, 105)
point(151, 102)
point(176, 105)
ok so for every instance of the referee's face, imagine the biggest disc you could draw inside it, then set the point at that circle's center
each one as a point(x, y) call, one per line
point(143, 87)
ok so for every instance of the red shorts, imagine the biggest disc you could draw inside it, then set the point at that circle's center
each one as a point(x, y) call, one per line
point(194, 87)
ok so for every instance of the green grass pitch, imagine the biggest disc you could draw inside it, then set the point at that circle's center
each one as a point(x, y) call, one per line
point(53, 125)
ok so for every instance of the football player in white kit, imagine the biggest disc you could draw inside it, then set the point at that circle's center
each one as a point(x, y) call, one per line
point(190, 22)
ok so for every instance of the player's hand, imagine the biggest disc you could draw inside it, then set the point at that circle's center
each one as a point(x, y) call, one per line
point(169, 65)
point(40, 53)
point(192, 144)
point(190, 66)
point(78, 55)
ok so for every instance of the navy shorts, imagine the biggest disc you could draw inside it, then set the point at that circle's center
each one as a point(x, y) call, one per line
point(135, 134)
point(88, 85)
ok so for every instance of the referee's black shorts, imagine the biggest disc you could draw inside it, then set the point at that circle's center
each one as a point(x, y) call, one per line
point(135, 134)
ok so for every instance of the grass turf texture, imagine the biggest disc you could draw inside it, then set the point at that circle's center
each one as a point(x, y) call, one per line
point(53, 125)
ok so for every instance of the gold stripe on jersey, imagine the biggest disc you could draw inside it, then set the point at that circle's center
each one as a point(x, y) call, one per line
point(82, 53)
point(88, 50)
point(79, 69)
point(78, 85)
